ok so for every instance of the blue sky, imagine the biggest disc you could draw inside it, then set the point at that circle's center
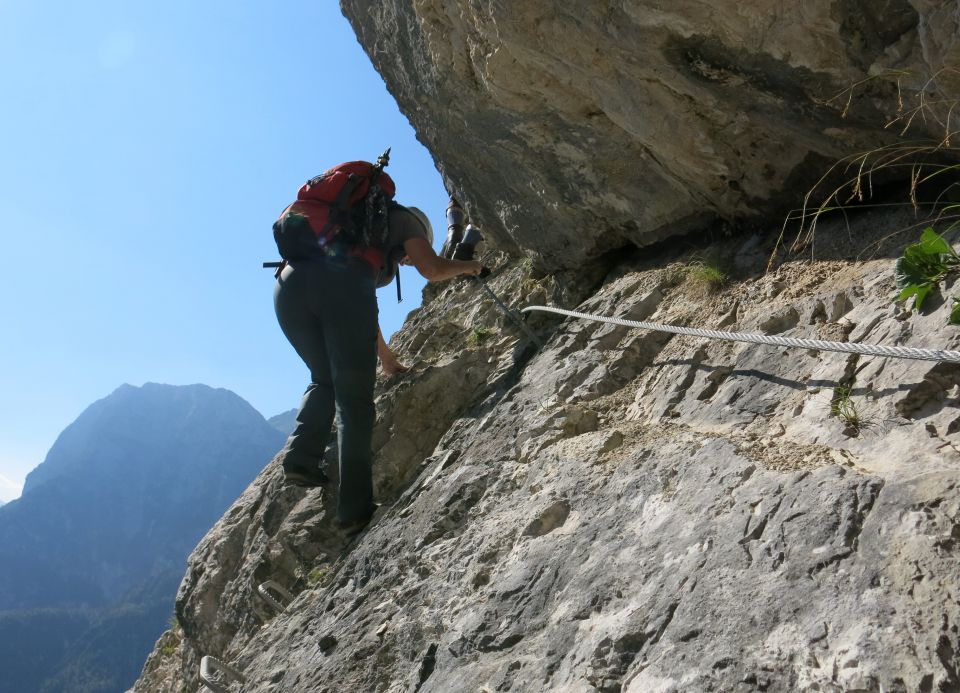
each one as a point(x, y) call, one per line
point(147, 149)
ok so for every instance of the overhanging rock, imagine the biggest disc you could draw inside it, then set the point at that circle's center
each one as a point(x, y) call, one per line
point(574, 128)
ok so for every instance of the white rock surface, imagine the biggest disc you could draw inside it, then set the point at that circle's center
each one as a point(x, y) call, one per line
point(622, 510)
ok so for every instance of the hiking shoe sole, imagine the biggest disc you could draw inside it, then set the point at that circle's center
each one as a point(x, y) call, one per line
point(351, 529)
point(305, 478)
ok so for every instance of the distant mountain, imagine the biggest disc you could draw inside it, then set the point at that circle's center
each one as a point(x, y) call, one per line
point(92, 552)
point(285, 422)
point(83, 649)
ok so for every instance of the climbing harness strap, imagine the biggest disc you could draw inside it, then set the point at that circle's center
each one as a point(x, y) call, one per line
point(897, 352)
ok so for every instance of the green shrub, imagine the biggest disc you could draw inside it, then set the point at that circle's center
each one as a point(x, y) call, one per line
point(922, 267)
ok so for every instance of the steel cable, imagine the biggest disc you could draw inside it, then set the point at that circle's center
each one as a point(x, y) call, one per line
point(897, 352)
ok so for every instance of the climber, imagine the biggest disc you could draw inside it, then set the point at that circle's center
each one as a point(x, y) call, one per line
point(327, 309)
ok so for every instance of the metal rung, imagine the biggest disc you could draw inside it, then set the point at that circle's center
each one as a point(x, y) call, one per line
point(264, 592)
point(210, 666)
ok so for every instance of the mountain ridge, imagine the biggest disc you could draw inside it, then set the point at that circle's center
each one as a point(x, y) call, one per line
point(75, 436)
point(96, 543)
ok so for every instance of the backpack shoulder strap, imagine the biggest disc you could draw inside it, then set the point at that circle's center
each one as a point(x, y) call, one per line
point(346, 192)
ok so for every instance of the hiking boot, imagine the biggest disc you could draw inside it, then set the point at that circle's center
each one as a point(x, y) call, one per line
point(304, 477)
point(354, 527)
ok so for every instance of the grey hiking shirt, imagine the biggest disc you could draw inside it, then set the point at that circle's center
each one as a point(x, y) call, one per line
point(401, 227)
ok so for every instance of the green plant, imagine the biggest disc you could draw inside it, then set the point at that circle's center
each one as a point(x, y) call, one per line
point(479, 336)
point(922, 266)
point(845, 408)
point(708, 275)
point(316, 576)
point(172, 641)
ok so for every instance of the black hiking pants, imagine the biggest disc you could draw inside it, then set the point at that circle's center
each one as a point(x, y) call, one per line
point(328, 311)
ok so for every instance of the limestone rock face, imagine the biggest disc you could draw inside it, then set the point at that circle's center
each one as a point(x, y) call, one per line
point(573, 128)
point(622, 510)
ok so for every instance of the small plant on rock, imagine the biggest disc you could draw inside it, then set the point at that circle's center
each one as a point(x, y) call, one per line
point(479, 336)
point(845, 408)
point(709, 276)
point(922, 266)
point(168, 650)
point(171, 640)
point(316, 576)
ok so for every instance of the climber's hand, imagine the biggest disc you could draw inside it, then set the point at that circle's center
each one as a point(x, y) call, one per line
point(391, 365)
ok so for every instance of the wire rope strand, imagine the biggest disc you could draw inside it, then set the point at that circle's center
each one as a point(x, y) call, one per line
point(898, 352)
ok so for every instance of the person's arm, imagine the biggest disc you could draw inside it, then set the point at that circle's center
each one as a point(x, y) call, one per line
point(433, 267)
point(388, 360)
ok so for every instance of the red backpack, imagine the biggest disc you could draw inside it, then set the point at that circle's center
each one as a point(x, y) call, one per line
point(342, 210)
